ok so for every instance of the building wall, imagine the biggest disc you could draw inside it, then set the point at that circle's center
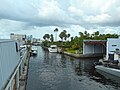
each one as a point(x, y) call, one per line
point(87, 49)
point(112, 45)
point(99, 49)
point(18, 37)
point(93, 48)
point(9, 58)
point(116, 56)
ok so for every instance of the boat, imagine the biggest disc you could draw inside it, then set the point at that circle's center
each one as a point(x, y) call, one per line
point(33, 51)
point(109, 71)
point(53, 48)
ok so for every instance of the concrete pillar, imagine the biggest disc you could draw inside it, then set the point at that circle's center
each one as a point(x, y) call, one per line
point(107, 51)
point(83, 48)
point(93, 49)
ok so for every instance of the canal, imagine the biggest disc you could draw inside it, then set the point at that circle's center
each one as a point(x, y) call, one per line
point(52, 71)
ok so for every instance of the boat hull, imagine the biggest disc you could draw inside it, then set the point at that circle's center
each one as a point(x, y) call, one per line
point(52, 50)
point(109, 73)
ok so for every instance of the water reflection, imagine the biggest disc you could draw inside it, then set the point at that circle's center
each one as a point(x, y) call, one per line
point(51, 71)
point(63, 61)
point(79, 68)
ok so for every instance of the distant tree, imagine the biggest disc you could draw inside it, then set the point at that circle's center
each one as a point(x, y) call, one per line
point(65, 31)
point(68, 35)
point(81, 34)
point(97, 33)
point(65, 35)
point(46, 37)
point(51, 38)
point(86, 35)
point(46, 43)
point(85, 32)
point(72, 41)
point(76, 39)
point(62, 35)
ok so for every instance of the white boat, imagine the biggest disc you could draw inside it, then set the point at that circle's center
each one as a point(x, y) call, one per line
point(109, 73)
point(34, 50)
point(53, 48)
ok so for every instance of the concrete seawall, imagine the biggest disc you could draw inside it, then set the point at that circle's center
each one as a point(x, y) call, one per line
point(86, 56)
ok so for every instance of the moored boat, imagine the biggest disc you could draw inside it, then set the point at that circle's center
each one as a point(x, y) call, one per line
point(53, 48)
point(109, 69)
point(33, 51)
point(109, 73)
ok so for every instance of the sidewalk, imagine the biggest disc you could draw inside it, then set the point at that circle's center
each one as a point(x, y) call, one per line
point(23, 79)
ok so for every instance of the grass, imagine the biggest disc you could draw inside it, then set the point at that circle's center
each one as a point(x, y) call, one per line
point(71, 50)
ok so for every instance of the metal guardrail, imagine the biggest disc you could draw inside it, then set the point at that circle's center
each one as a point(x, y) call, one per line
point(6, 85)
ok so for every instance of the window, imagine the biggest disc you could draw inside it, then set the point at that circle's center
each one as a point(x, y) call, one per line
point(114, 45)
point(117, 49)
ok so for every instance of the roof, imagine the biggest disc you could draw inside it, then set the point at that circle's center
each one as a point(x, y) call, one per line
point(5, 40)
point(95, 41)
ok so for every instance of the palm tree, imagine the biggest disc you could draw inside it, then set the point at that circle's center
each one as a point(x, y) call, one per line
point(56, 30)
point(85, 32)
point(81, 34)
point(96, 35)
point(64, 31)
point(46, 37)
point(86, 35)
point(65, 34)
point(62, 35)
point(51, 38)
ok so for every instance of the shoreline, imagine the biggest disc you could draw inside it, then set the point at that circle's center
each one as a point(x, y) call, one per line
point(79, 56)
point(86, 56)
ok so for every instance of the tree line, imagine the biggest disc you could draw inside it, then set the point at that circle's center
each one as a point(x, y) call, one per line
point(74, 43)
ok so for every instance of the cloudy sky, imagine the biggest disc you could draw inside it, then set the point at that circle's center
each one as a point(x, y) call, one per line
point(38, 17)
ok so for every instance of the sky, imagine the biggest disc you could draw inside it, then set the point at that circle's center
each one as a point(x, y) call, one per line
point(38, 17)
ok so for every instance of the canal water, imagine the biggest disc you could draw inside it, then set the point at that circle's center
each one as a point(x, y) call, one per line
point(52, 71)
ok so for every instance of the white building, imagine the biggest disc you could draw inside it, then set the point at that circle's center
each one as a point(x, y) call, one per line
point(10, 65)
point(113, 44)
point(20, 38)
point(108, 47)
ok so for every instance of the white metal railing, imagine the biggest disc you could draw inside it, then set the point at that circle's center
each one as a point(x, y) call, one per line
point(8, 83)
